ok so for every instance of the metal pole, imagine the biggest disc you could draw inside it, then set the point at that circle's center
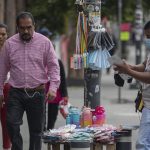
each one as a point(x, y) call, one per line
point(119, 43)
point(138, 32)
point(92, 80)
point(92, 89)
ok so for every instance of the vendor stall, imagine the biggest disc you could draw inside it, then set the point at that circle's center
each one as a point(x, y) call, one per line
point(81, 138)
point(86, 129)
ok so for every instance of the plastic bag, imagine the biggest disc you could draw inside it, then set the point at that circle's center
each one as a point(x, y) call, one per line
point(64, 108)
point(94, 40)
point(99, 40)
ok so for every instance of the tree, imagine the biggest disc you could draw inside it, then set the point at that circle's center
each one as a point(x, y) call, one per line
point(20, 5)
point(10, 16)
point(12, 7)
point(51, 13)
point(2, 6)
point(56, 14)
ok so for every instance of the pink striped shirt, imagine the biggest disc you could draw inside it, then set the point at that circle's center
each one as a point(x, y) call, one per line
point(27, 62)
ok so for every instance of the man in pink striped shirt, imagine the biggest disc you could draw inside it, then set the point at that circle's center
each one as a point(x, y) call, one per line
point(25, 56)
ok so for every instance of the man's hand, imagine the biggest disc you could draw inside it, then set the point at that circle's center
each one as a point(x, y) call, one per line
point(1, 101)
point(50, 95)
point(65, 99)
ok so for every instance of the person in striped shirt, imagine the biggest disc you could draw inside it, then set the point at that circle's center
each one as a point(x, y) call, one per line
point(26, 55)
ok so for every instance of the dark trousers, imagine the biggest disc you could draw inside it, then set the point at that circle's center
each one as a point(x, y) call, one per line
point(52, 115)
point(18, 102)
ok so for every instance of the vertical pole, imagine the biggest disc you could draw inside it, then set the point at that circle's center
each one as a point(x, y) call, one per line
point(138, 33)
point(2, 11)
point(138, 28)
point(11, 16)
point(92, 87)
point(119, 43)
point(92, 80)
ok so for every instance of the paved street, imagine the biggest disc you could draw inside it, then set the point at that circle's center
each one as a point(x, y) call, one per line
point(117, 114)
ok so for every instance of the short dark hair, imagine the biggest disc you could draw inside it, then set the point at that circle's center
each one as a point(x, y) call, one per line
point(23, 15)
point(147, 25)
point(2, 25)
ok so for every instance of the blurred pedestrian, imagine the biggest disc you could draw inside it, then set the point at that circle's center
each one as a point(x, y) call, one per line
point(62, 93)
point(141, 72)
point(5, 136)
point(26, 55)
point(45, 31)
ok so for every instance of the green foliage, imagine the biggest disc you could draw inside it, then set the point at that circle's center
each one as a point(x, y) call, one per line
point(56, 14)
point(110, 9)
point(52, 13)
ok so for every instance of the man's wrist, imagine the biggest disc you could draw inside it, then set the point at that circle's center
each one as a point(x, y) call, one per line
point(52, 90)
point(132, 67)
point(130, 71)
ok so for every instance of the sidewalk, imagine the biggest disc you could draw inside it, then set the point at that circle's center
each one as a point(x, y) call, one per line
point(117, 114)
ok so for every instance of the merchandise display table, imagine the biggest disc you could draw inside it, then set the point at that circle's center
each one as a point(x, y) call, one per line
point(51, 145)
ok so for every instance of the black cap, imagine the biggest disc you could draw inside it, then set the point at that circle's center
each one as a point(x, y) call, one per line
point(45, 31)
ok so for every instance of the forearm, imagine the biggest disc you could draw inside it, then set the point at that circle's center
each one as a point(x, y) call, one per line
point(53, 69)
point(139, 68)
point(141, 76)
point(54, 82)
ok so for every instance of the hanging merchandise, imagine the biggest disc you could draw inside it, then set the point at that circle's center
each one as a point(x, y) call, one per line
point(99, 38)
point(98, 59)
point(92, 49)
point(79, 59)
point(94, 41)
point(99, 44)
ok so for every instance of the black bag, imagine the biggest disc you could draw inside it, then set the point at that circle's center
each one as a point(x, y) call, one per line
point(139, 105)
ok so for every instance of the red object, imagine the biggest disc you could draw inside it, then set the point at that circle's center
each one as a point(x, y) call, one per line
point(64, 108)
point(63, 113)
point(6, 139)
point(99, 110)
point(125, 27)
point(58, 95)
